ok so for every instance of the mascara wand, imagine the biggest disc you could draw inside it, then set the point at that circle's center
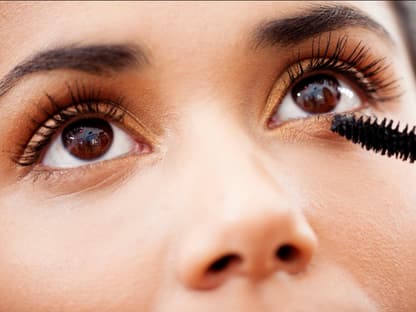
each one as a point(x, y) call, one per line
point(379, 137)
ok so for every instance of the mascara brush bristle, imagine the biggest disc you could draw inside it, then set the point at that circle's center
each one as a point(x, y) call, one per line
point(380, 137)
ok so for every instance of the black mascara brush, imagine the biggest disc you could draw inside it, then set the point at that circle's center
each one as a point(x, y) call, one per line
point(379, 137)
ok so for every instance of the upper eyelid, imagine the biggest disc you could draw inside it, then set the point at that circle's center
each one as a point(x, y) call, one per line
point(81, 100)
point(83, 93)
point(345, 57)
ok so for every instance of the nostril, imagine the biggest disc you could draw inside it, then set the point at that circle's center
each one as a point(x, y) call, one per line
point(287, 253)
point(223, 263)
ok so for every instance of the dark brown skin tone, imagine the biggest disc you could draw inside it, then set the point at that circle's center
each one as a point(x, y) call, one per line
point(203, 202)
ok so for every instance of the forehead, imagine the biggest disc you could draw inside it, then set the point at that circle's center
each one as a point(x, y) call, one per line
point(171, 24)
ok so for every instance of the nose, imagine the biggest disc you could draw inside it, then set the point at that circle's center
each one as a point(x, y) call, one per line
point(252, 245)
point(245, 218)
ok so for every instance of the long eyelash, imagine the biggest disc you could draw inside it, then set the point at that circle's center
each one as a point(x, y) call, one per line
point(357, 66)
point(84, 101)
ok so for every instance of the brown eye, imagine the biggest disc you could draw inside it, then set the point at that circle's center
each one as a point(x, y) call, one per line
point(88, 139)
point(317, 94)
point(314, 95)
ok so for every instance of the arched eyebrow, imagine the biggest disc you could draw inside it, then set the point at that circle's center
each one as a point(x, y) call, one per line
point(93, 59)
point(314, 20)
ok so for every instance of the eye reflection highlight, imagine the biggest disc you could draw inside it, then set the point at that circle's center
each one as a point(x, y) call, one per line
point(89, 141)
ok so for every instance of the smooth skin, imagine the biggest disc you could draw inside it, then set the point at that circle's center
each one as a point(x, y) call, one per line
point(141, 233)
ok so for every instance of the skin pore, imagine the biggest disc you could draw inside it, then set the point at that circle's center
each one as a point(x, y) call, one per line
point(214, 210)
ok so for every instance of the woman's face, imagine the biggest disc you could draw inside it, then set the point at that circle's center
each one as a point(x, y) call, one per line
point(207, 183)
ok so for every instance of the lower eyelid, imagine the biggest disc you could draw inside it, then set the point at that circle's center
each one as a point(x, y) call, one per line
point(101, 176)
point(314, 130)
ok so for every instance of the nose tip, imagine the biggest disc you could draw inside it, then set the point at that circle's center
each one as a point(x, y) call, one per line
point(254, 249)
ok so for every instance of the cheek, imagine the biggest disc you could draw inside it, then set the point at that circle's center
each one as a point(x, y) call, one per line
point(362, 208)
point(72, 253)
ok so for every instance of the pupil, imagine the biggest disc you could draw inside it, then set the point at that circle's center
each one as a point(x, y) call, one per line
point(317, 94)
point(88, 139)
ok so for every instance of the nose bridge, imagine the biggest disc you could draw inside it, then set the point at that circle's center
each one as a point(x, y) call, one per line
point(217, 146)
point(230, 176)
point(228, 169)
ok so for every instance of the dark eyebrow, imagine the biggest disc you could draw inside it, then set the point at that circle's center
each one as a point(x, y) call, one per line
point(316, 20)
point(92, 59)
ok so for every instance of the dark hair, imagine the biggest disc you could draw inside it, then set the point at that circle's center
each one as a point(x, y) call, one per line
point(406, 15)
